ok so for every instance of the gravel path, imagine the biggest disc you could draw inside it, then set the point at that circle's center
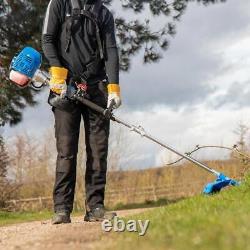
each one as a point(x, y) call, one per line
point(41, 235)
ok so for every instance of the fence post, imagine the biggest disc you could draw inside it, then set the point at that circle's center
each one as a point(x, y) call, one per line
point(15, 207)
point(41, 202)
point(154, 193)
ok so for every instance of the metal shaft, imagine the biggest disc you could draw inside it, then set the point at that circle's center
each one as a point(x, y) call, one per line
point(140, 130)
point(44, 78)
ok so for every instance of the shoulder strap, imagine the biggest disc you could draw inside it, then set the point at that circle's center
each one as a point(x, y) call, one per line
point(93, 8)
point(91, 13)
point(75, 5)
point(75, 11)
point(97, 7)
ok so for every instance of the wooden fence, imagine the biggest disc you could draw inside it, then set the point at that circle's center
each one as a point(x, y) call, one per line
point(115, 197)
point(185, 182)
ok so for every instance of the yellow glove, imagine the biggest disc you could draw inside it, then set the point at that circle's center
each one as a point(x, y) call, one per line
point(114, 94)
point(58, 79)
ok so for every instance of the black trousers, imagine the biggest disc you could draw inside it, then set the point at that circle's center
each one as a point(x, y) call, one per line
point(67, 126)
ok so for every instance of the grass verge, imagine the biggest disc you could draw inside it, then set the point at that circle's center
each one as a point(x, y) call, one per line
point(221, 221)
point(146, 204)
point(8, 218)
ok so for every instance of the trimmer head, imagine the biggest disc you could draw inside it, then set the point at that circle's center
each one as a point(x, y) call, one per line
point(221, 182)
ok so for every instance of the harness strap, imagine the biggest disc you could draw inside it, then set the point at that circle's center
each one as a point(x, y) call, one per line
point(75, 5)
point(75, 11)
point(68, 33)
point(92, 15)
point(94, 19)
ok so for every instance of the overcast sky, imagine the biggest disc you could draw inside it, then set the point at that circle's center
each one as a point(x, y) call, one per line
point(197, 94)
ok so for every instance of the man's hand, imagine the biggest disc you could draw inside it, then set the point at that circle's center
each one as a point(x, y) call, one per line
point(114, 94)
point(58, 80)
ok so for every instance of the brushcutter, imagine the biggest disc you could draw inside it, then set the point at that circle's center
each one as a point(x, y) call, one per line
point(25, 70)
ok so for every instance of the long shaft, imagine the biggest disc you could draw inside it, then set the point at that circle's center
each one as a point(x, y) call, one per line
point(140, 130)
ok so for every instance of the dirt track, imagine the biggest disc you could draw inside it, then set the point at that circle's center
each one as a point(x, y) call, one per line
point(41, 235)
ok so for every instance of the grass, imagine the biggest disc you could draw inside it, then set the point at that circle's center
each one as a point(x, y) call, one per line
point(8, 218)
point(221, 221)
point(146, 204)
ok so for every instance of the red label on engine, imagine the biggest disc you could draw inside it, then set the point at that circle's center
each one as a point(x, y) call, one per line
point(82, 86)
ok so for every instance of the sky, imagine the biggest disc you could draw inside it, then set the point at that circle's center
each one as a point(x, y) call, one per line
point(197, 94)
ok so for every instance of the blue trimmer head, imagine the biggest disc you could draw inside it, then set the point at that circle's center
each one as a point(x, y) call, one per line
point(221, 182)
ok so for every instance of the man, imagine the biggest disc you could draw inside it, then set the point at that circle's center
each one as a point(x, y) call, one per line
point(79, 42)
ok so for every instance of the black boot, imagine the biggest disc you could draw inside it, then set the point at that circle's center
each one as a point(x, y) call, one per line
point(98, 214)
point(61, 217)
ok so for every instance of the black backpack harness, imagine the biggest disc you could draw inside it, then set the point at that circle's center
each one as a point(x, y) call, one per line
point(90, 12)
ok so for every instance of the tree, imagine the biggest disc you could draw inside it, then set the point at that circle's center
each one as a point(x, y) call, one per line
point(5, 186)
point(241, 131)
point(3, 161)
point(21, 24)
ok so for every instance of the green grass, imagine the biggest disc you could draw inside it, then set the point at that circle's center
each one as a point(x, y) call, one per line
point(221, 221)
point(8, 218)
point(146, 204)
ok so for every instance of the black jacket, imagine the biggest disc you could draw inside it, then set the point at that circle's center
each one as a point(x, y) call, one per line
point(52, 42)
